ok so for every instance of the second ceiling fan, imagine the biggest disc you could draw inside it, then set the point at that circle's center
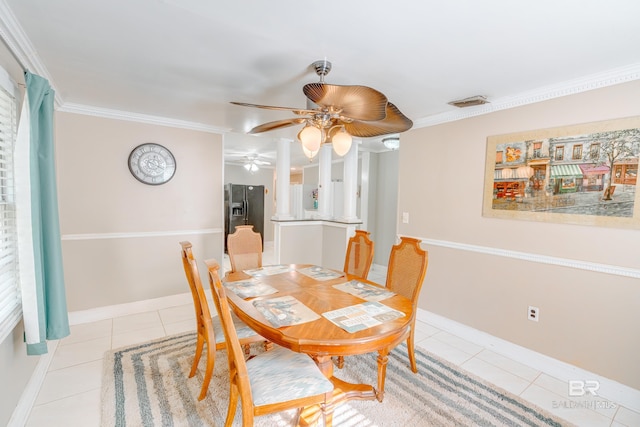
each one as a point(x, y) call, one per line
point(336, 113)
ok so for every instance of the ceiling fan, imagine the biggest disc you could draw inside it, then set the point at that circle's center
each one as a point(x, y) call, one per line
point(336, 113)
point(252, 163)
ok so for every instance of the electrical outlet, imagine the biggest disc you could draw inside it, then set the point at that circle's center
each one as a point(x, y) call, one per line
point(533, 313)
point(405, 217)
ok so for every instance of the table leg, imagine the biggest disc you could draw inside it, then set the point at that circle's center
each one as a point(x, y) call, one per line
point(342, 391)
point(325, 364)
point(382, 372)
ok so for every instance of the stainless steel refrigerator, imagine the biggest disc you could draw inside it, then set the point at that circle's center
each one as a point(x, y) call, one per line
point(243, 205)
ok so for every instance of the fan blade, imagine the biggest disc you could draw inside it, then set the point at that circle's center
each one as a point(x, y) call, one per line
point(355, 102)
point(270, 107)
point(276, 125)
point(395, 122)
point(261, 162)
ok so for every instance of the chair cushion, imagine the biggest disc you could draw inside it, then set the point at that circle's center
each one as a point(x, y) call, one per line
point(243, 330)
point(280, 375)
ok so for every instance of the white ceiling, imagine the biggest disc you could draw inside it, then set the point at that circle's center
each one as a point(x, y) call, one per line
point(184, 60)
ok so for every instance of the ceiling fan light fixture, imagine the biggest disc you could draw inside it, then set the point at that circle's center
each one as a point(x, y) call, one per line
point(310, 154)
point(311, 138)
point(251, 167)
point(337, 113)
point(391, 143)
point(341, 142)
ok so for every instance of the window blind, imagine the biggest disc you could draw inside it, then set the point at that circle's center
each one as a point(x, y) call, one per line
point(10, 304)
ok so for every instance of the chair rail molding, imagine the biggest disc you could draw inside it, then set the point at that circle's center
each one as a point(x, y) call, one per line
point(134, 234)
point(542, 259)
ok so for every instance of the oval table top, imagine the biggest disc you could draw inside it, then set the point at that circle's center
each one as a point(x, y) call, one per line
point(321, 336)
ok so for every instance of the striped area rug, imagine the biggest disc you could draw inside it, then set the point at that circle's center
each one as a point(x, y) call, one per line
point(147, 385)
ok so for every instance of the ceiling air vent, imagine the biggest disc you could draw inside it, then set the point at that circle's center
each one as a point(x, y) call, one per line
point(469, 102)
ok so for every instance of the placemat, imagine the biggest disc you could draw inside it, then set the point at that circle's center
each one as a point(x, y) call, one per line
point(269, 270)
point(362, 316)
point(365, 291)
point(250, 288)
point(320, 273)
point(285, 311)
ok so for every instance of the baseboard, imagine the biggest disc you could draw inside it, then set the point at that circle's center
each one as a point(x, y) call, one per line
point(30, 393)
point(609, 389)
point(110, 311)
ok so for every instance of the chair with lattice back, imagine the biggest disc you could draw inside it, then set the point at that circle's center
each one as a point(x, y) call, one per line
point(209, 329)
point(245, 248)
point(359, 254)
point(273, 381)
point(405, 275)
point(357, 262)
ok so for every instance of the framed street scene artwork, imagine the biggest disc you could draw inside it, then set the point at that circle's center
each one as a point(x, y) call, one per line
point(580, 174)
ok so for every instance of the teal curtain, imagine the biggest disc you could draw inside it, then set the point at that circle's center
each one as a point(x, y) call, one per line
point(47, 249)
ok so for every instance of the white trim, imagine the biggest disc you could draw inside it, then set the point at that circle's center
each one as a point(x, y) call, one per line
point(107, 113)
point(98, 236)
point(582, 84)
point(305, 222)
point(365, 188)
point(26, 266)
point(21, 46)
point(609, 389)
point(30, 393)
point(594, 81)
point(543, 259)
point(118, 310)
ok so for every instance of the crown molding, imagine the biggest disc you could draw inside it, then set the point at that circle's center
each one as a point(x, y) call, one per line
point(594, 81)
point(20, 46)
point(140, 118)
point(571, 87)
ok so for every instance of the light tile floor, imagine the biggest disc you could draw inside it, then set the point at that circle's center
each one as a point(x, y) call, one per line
point(70, 393)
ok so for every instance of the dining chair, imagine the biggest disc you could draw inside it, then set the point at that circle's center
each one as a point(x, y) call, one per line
point(405, 275)
point(245, 248)
point(272, 381)
point(209, 329)
point(359, 254)
point(357, 262)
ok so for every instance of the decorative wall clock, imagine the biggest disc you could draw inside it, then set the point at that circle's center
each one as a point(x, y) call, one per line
point(152, 164)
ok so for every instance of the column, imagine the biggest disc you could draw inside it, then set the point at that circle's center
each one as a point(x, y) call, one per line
point(283, 172)
point(350, 184)
point(324, 182)
point(365, 175)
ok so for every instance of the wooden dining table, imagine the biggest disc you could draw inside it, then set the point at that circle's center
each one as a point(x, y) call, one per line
point(321, 338)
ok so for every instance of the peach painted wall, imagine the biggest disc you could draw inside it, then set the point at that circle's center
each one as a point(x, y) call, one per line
point(120, 236)
point(587, 318)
